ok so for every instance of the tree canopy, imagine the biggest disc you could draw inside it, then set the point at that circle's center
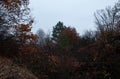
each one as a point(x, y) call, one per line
point(13, 13)
point(64, 54)
point(57, 29)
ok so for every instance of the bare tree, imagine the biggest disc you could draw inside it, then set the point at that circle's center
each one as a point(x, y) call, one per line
point(41, 37)
point(109, 18)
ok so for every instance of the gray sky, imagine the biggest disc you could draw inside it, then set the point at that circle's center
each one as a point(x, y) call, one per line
point(75, 13)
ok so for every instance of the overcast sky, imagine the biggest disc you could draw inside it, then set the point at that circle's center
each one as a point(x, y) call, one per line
point(75, 13)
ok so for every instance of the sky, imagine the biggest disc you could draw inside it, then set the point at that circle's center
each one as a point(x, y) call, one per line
point(74, 13)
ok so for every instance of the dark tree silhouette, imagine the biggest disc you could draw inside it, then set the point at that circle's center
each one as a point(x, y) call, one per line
point(57, 29)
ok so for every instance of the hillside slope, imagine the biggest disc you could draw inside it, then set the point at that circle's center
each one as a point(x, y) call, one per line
point(9, 70)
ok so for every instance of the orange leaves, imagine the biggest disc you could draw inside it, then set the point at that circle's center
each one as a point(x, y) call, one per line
point(13, 13)
point(33, 37)
point(26, 38)
point(7, 3)
point(24, 27)
point(10, 3)
point(24, 33)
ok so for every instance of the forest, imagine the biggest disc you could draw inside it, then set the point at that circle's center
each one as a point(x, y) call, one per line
point(64, 54)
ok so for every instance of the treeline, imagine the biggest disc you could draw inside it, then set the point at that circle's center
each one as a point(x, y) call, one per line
point(64, 54)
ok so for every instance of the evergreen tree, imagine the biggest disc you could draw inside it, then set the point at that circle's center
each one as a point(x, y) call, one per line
point(57, 29)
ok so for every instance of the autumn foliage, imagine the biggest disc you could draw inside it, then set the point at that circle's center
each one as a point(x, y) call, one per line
point(26, 39)
point(64, 54)
point(69, 36)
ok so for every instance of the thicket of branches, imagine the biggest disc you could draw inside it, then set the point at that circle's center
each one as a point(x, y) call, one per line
point(64, 54)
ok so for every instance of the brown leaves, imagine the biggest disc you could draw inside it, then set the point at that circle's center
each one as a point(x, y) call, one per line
point(68, 37)
point(26, 38)
point(24, 27)
point(71, 34)
point(27, 50)
point(9, 4)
